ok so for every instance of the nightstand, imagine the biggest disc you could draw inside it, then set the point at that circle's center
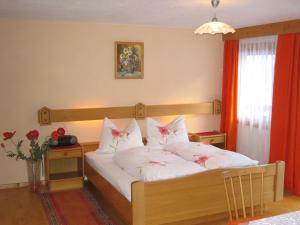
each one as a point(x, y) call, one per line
point(215, 138)
point(64, 168)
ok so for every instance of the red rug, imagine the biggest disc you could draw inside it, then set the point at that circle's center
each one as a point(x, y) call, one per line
point(75, 207)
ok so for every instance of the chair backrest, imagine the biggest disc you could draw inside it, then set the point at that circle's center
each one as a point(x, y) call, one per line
point(235, 181)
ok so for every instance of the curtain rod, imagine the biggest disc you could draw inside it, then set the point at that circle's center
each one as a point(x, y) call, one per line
point(291, 26)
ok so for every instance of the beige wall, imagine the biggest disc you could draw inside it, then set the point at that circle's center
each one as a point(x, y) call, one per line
point(70, 65)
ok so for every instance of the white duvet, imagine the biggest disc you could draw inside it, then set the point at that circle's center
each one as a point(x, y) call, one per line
point(147, 164)
point(209, 156)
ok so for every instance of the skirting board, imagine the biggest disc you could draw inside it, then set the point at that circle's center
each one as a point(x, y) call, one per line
point(17, 185)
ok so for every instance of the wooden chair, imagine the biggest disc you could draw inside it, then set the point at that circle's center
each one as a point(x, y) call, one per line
point(233, 183)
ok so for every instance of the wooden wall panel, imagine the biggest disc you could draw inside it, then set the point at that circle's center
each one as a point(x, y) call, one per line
point(47, 116)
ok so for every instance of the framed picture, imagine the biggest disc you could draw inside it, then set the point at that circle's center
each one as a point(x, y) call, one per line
point(129, 60)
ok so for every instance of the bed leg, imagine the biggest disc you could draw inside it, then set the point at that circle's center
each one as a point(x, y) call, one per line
point(279, 181)
point(137, 203)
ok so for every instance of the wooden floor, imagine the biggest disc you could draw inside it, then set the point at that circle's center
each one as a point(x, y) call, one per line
point(20, 207)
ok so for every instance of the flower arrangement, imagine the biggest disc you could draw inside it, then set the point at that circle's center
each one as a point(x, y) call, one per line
point(36, 150)
point(129, 59)
point(55, 134)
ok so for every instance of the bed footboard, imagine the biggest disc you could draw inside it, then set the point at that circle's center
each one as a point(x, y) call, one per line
point(197, 198)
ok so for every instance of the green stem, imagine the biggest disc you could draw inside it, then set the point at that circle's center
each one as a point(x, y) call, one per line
point(12, 141)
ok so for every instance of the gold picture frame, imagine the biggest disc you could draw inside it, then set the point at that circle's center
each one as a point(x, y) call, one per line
point(129, 60)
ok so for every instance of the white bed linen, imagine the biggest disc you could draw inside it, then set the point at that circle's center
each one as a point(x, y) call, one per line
point(121, 180)
point(147, 164)
point(105, 166)
point(209, 156)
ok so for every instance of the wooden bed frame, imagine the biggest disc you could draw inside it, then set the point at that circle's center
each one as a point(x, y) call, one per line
point(189, 200)
point(194, 199)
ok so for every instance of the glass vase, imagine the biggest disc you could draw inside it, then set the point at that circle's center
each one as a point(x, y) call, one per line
point(34, 174)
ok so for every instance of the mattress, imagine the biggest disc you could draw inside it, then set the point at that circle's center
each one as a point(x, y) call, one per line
point(105, 166)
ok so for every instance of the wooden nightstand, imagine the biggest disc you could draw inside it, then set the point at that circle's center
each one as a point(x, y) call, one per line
point(58, 162)
point(214, 138)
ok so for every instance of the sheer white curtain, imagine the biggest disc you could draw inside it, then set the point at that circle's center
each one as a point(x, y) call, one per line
point(255, 90)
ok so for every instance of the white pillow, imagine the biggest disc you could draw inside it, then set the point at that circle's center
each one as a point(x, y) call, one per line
point(158, 135)
point(113, 139)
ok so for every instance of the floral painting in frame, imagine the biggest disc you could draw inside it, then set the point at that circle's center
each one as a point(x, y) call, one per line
point(129, 60)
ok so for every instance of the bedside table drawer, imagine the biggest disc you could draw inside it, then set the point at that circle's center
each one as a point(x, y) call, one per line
point(213, 139)
point(64, 154)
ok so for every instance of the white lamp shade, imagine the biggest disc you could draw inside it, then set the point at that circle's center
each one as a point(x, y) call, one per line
point(214, 27)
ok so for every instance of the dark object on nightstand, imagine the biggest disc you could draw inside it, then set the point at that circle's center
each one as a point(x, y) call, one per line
point(65, 140)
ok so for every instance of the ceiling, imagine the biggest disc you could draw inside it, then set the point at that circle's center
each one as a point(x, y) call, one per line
point(163, 13)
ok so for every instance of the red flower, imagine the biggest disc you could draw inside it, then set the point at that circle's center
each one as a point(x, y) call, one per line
point(116, 133)
point(33, 134)
point(54, 135)
point(61, 131)
point(201, 159)
point(2, 145)
point(164, 130)
point(8, 135)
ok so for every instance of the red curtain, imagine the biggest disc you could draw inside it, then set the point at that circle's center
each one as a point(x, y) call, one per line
point(285, 128)
point(229, 92)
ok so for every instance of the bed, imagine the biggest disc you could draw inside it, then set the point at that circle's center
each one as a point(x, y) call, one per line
point(193, 199)
point(201, 196)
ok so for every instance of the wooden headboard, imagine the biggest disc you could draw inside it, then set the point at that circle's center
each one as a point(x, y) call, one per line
point(46, 116)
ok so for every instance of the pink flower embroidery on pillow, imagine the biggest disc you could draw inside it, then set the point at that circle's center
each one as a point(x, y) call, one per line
point(117, 137)
point(163, 131)
point(116, 133)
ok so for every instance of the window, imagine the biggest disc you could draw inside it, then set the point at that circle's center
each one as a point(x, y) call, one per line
point(255, 91)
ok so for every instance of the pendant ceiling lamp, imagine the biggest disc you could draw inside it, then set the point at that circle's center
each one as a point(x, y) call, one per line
point(214, 27)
